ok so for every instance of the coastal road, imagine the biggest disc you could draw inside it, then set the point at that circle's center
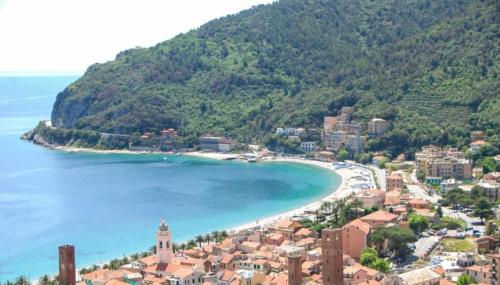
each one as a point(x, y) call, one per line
point(420, 192)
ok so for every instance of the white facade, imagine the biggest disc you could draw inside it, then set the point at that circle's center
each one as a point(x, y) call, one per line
point(308, 146)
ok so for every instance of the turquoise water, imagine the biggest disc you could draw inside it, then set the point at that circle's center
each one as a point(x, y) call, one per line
point(109, 205)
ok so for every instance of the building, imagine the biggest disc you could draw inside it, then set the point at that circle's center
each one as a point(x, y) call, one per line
point(492, 190)
point(495, 267)
point(476, 145)
point(482, 274)
point(164, 252)
point(377, 127)
point(477, 135)
point(422, 276)
point(370, 198)
point(340, 132)
point(355, 238)
point(332, 257)
point(294, 269)
point(448, 184)
point(67, 274)
point(394, 182)
point(307, 146)
point(379, 218)
point(444, 163)
point(297, 132)
point(216, 144)
point(168, 138)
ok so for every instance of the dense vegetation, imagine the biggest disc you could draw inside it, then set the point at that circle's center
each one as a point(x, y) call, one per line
point(430, 66)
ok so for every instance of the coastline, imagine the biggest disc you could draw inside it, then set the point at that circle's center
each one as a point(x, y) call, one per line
point(342, 191)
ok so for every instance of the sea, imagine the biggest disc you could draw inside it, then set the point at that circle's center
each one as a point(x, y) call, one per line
point(110, 205)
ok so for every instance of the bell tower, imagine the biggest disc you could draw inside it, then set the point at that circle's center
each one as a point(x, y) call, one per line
point(164, 252)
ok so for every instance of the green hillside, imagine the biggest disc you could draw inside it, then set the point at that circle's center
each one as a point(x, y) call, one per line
point(431, 66)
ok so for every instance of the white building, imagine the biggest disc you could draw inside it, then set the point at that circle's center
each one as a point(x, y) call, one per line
point(448, 184)
point(308, 146)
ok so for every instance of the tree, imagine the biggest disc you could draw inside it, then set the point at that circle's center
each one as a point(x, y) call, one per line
point(418, 224)
point(465, 279)
point(215, 236)
point(439, 211)
point(21, 280)
point(420, 175)
point(208, 238)
point(342, 155)
point(199, 239)
point(398, 239)
point(483, 209)
point(44, 280)
point(381, 265)
point(368, 256)
point(489, 165)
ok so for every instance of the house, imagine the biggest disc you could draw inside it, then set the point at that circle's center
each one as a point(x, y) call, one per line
point(355, 237)
point(249, 246)
point(216, 144)
point(275, 239)
point(417, 203)
point(186, 275)
point(377, 126)
point(448, 184)
point(370, 198)
point(486, 244)
point(378, 158)
point(379, 218)
point(476, 145)
point(482, 274)
point(286, 228)
point(394, 182)
point(392, 198)
point(422, 276)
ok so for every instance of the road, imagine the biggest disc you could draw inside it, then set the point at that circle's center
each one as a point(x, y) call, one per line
point(424, 245)
point(420, 192)
point(471, 222)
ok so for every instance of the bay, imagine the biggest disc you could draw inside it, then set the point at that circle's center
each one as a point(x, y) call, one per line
point(109, 205)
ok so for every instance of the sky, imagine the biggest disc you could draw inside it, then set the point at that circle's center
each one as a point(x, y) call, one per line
point(66, 36)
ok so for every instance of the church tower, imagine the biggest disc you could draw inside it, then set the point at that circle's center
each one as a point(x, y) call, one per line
point(164, 252)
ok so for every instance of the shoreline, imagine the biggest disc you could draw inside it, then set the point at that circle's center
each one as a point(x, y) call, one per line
point(342, 191)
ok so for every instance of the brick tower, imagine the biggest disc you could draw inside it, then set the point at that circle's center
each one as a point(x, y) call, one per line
point(332, 270)
point(294, 269)
point(67, 274)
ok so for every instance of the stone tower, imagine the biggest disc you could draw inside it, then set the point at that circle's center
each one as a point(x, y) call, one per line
point(67, 275)
point(294, 269)
point(164, 252)
point(331, 250)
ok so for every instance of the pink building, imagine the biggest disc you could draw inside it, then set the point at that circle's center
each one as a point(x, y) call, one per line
point(355, 237)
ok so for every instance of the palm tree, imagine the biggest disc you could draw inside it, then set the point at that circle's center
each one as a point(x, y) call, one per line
point(208, 238)
point(191, 243)
point(183, 246)
point(224, 234)
point(21, 280)
point(135, 256)
point(124, 260)
point(215, 236)
point(44, 280)
point(199, 239)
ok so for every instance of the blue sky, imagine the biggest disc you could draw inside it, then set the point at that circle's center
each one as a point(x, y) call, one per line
point(66, 36)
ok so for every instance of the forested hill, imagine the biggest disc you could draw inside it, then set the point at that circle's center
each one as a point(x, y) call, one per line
point(430, 66)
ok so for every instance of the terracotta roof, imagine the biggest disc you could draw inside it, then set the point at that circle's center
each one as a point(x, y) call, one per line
point(478, 142)
point(226, 258)
point(148, 260)
point(303, 232)
point(115, 282)
point(183, 272)
point(478, 268)
point(380, 215)
point(227, 275)
point(443, 281)
point(364, 227)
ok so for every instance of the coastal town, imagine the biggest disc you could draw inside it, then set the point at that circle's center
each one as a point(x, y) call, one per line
point(431, 220)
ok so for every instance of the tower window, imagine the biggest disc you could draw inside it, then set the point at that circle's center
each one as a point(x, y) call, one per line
point(161, 244)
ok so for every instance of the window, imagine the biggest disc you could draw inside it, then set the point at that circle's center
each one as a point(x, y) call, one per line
point(161, 244)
